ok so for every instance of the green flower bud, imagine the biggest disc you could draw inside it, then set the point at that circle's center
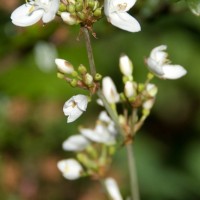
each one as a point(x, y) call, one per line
point(91, 4)
point(81, 16)
point(74, 73)
point(97, 77)
point(71, 8)
point(82, 69)
point(62, 7)
point(60, 75)
point(88, 79)
point(97, 12)
point(79, 7)
point(73, 83)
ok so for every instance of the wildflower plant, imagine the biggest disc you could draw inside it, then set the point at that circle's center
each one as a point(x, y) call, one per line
point(114, 128)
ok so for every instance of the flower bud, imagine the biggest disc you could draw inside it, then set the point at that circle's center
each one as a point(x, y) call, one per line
point(62, 7)
point(125, 65)
point(148, 104)
point(68, 18)
point(71, 8)
point(109, 90)
point(73, 82)
point(82, 69)
point(151, 89)
point(97, 12)
point(79, 6)
point(130, 89)
point(81, 15)
point(64, 66)
point(97, 77)
point(88, 79)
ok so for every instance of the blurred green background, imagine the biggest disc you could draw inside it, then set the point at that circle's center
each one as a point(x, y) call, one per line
point(33, 127)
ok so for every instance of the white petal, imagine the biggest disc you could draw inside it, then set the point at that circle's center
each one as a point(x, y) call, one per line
point(113, 189)
point(109, 90)
point(70, 168)
point(173, 71)
point(64, 66)
point(67, 18)
point(129, 89)
point(22, 16)
point(81, 101)
point(103, 116)
point(75, 143)
point(75, 114)
point(124, 21)
point(154, 67)
point(51, 13)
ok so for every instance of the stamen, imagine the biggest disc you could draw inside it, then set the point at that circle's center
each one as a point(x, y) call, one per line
point(122, 7)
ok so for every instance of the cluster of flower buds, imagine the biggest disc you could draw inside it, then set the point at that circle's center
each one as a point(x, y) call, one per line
point(80, 78)
point(93, 147)
point(80, 12)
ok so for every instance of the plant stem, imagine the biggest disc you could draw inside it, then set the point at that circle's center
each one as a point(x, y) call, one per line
point(89, 51)
point(132, 172)
point(114, 116)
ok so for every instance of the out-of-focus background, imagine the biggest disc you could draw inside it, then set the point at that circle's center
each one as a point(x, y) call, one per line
point(33, 127)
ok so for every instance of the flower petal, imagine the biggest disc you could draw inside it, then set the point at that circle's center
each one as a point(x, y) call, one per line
point(124, 21)
point(173, 71)
point(113, 189)
point(125, 5)
point(81, 101)
point(75, 114)
point(70, 168)
point(154, 67)
point(51, 13)
point(23, 17)
point(75, 143)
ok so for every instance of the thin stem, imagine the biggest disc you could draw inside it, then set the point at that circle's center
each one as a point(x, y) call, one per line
point(132, 172)
point(89, 51)
point(114, 116)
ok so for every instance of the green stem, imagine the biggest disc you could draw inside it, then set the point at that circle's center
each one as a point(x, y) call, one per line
point(114, 116)
point(89, 51)
point(132, 173)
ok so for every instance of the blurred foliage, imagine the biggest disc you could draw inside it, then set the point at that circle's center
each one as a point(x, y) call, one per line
point(32, 125)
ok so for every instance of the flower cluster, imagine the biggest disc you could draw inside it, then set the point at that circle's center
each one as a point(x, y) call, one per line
point(93, 147)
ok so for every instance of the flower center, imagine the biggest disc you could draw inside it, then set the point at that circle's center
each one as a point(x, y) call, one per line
point(122, 6)
point(38, 4)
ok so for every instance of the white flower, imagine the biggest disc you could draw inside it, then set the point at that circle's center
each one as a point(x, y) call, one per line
point(64, 66)
point(32, 11)
point(75, 106)
point(99, 134)
point(113, 189)
point(125, 65)
point(104, 131)
point(109, 90)
point(159, 64)
point(68, 18)
point(75, 143)
point(116, 13)
point(70, 168)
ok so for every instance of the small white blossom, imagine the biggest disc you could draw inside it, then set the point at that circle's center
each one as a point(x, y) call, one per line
point(75, 106)
point(104, 131)
point(130, 89)
point(109, 90)
point(159, 65)
point(113, 189)
point(68, 18)
point(148, 104)
point(125, 65)
point(32, 11)
point(70, 168)
point(75, 143)
point(116, 13)
point(64, 66)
